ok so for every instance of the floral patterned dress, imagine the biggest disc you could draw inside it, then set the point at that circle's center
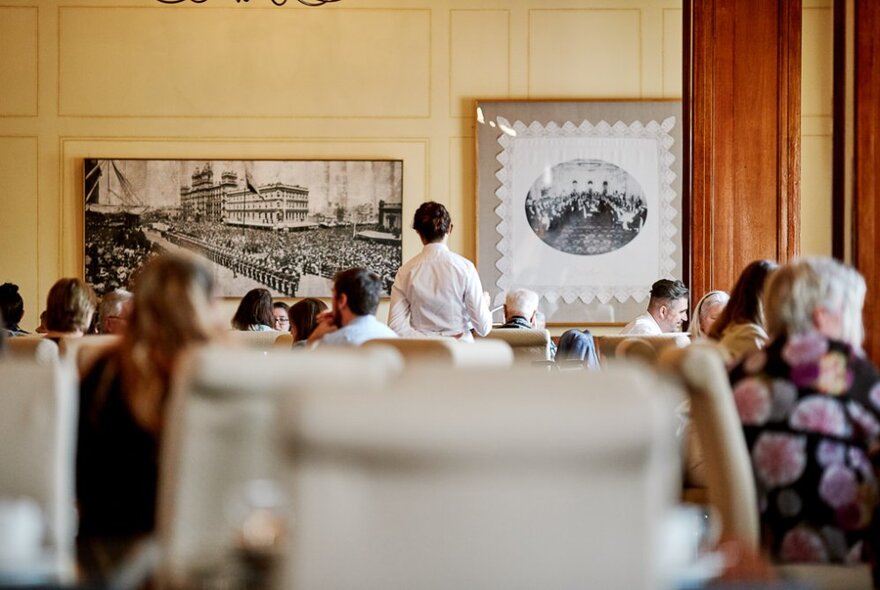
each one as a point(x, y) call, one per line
point(810, 409)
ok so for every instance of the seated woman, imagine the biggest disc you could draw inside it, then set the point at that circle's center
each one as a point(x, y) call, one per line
point(123, 399)
point(254, 313)
point(304, 319)
point(281, 321)
point(438, 292)
point(740, 328)
point(70, 307)
point(706, 313)
point(12, 308)
point(810, 408)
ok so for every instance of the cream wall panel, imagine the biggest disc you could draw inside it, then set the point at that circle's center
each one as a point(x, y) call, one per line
point(588, 52)
point(816, 195)
point(246, 62)
point(479, 55)
point(19, 61)
point(462, 185)
point(20, 222)
point(817, 62)
point(672, 51)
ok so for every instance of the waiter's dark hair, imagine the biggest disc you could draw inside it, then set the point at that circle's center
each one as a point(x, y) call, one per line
point(432, 221)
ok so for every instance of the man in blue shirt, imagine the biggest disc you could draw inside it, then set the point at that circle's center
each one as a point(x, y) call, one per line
point(352, 319)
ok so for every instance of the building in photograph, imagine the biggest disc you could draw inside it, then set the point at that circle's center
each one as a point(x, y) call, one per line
point(203, 201)
point(278, 206)
point(390, 217)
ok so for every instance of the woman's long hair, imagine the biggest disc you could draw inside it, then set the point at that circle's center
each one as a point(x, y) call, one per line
point(173, 310)
point(303, 316)
point(255, 309)
point(746, 300)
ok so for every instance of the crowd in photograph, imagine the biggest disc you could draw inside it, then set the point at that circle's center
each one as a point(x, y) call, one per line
point(277, 260)
point(549, 213)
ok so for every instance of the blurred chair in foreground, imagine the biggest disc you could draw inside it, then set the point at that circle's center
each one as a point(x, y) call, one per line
point(725, 461)
point(219, 438)
point(482, 353)
point(485, 479)
point(84, 352)
point(42, 350)
point(38, 406)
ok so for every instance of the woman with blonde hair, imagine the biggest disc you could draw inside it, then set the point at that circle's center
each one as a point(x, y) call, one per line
point(706, 313)
point(810, 408)
point(123, 398)
point(70, 306)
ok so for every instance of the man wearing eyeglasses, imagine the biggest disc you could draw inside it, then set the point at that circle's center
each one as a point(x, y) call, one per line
point(114, 311)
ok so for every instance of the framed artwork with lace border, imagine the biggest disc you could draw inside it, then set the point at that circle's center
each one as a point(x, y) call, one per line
point(581, 202)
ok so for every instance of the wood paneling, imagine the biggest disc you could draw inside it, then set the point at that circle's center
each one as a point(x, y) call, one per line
point(744, 100)
point(866, 163)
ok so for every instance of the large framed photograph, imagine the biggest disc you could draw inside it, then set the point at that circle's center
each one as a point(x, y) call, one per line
point(580, 201)
point(287, 226)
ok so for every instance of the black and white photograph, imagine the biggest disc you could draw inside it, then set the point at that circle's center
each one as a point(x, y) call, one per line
point(285, 225)
point(580, 202)
point(586, 207)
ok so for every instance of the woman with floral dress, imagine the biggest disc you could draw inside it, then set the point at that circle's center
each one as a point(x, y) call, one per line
point(810, 408)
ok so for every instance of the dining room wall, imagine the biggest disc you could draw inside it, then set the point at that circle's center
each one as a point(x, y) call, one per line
point(355, 79)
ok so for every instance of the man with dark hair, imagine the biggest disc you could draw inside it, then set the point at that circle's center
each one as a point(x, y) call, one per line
point(667, 309)
point(12, 308)
point(438, 292)
point(352, 319)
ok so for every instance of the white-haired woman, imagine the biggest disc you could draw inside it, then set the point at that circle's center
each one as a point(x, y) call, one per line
point(706, 312)
point(810, 408)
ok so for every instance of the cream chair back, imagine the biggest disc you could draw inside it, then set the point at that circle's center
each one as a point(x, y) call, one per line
point(725, 458)
point(447, 352)
point(284, 340)
point(35, 347)
point(38, 413)
point(264, 341)
point(84, 351)
point(484, 479)
point(527, 345)
point(608, 345)
point(219, 436)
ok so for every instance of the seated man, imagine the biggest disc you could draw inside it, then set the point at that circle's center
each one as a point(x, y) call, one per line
point(521, 311)
point(667, 309)
point(113, 311)
point(352, 319)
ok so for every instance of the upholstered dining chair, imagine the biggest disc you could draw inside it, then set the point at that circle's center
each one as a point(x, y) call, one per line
point(608, 345)
point(730, 484)
point(264, 341)
point(38, 412)
point(483, 479)
point(220, 435)
point(447, 352)
point(527, 345)
point(35, 347)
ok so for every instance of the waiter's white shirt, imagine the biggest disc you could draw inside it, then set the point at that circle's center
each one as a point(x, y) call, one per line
point(438, 293)
point(644, 324)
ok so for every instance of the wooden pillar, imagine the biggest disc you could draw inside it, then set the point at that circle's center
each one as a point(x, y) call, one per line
point(866, 164)
point(742, 95)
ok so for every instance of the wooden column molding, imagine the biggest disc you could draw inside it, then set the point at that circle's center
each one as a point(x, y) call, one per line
point(866, 163)
point(742, 95)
